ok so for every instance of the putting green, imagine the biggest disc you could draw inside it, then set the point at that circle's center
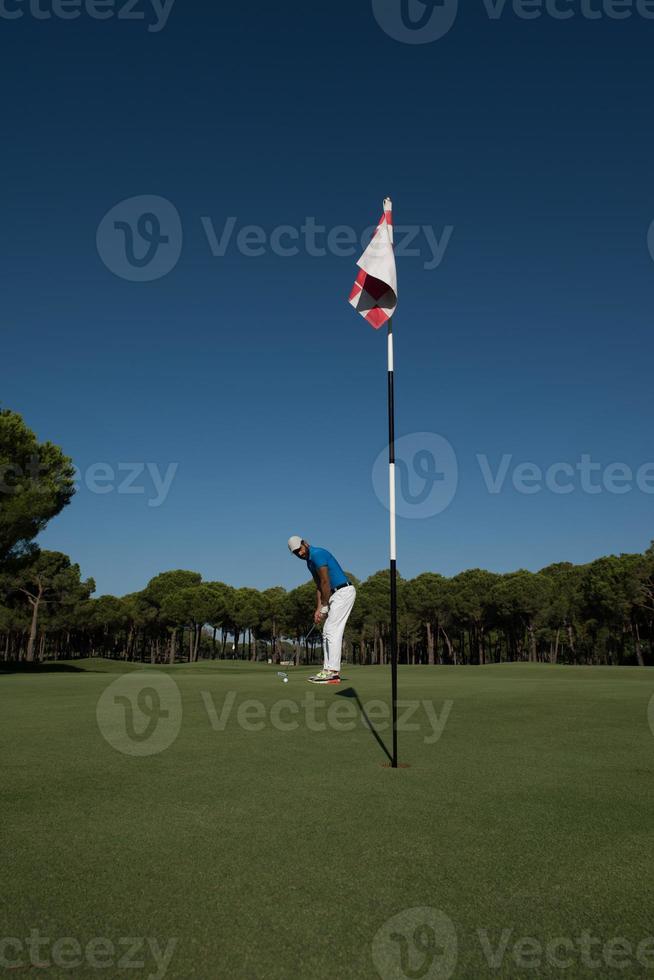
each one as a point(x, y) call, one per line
point(269, 841)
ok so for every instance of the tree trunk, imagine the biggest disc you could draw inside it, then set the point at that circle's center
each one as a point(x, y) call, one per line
point(36, 602)
point(533, 657)
point(480, 646)
point(639, 649)
point(450, 652)
point(171, 648)
point(430, 644)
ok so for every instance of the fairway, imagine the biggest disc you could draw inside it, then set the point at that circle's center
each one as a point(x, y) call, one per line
point(282, 853)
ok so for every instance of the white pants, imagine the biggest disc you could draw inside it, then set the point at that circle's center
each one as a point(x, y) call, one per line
point(340, 607)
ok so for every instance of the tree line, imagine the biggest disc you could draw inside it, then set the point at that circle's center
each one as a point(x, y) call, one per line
point(598, 613)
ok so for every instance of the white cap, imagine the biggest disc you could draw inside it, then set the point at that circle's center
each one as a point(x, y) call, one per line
point(294, 543)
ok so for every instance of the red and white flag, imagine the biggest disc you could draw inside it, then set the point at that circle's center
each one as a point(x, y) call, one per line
point(374, 294)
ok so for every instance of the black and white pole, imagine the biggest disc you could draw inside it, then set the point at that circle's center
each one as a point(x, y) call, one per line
point(393, 552)
point(391, 507)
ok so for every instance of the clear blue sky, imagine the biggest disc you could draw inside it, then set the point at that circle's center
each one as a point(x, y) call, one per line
point(532, 338)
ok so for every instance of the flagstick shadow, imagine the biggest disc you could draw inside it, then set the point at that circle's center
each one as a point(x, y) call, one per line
point(349, 692)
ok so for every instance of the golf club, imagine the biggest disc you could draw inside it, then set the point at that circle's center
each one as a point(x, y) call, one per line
point(310, 632)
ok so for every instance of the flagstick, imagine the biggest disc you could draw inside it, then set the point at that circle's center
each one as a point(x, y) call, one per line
point(393, 555)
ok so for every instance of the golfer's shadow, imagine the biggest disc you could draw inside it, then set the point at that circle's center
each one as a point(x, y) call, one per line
point(349, 692)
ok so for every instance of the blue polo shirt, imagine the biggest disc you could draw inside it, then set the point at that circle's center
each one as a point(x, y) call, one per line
point(318, 558)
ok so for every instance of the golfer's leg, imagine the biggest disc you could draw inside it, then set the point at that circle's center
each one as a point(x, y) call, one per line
point(333, 638)
point(330, 635)
point(340, 608)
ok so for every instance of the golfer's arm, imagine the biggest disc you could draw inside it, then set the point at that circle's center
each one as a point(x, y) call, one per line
point(324, 590)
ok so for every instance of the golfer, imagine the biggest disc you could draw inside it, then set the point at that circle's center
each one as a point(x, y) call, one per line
point(334, 599)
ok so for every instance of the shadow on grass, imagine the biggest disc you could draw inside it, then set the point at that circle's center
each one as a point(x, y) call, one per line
point(349, 692)
point(45, 668)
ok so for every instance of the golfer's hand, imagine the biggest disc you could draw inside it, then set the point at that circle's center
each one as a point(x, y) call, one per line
point(318, 616)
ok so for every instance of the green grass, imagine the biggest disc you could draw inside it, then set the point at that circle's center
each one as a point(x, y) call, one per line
point(271, 854)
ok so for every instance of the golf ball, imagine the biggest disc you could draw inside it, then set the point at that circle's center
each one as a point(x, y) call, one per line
point(286, 680)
